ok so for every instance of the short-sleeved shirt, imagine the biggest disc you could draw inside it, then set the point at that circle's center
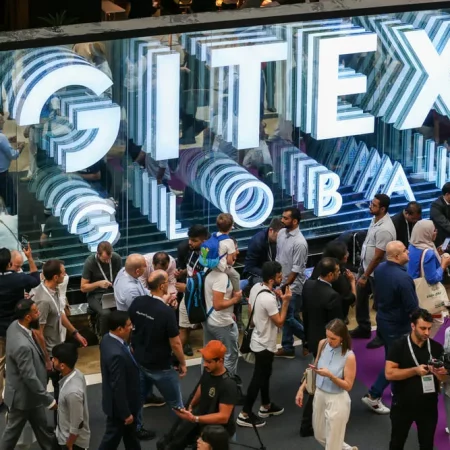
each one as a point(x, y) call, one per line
point(149, 269)
point(410, 391)
point(378, 236)
point(92, 273)
point(126, 289)
point(49, 315)
point(154, 324)
point(7, 153)
point(216, 390)
point(264, 305)
point(219, 282)
point(292, 254)
point(188, 259)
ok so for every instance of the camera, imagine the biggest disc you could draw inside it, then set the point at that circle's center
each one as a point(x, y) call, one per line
point(443, 361)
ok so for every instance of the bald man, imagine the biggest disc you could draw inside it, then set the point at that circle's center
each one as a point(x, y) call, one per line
point(397, 299)
point(16, 261)
point(127, 285)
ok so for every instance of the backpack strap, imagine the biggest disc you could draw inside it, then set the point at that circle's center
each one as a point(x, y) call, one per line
point(254, 307)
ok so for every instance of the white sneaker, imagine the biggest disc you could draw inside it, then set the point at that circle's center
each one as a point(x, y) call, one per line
point(354, 448)
point(376, 405)
point(447, 430)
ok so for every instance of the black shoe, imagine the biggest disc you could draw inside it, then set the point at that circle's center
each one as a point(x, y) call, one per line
point(187, 139)
point(375, 343)
point(306, 432)
point(359, 333)
point(250, 421)
point(274, 410)
point(153, 400)
point(187, 350)
point(272, 109)
point(145, 435)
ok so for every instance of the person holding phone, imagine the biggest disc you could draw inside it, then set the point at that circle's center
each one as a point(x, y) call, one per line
point(335, 367)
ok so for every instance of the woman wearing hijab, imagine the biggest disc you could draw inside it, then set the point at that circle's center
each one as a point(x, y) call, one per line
point(422, 239)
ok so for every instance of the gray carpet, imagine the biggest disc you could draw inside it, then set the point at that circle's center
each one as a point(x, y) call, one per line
point(365, 429)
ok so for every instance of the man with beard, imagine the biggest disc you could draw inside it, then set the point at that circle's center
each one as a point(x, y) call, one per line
point(26, 384)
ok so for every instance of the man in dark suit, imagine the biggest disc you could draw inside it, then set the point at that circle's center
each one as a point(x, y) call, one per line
point(321, 304)
point(26, 384)
point(440, 215)
point(120, 386)
point(405, 220)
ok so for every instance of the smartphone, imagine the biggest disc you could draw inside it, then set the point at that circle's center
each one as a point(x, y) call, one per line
point(24, 243)
point(312, 366)
point(446, 244)
point(177, 408)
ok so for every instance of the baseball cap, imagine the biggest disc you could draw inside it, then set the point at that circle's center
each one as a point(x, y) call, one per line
point(213, 350)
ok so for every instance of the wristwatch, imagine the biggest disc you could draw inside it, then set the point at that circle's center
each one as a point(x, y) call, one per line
point(75, 332)
point(196, 419)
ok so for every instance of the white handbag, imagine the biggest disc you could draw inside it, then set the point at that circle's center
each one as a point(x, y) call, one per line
point(432, 297)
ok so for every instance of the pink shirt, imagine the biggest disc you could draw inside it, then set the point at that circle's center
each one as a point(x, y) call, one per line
point(170, 271)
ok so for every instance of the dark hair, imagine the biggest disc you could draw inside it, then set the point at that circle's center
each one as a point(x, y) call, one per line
point(295, 213)
point(216, 436)
point(224, 222)
point(66, 353)
point(270, 269)
point(327, 265)
point(338, 327)
point(156, 282)
point(105, 246)
point(23, 308)
point(421, 313)
point(335, 249)
point(51, 268)
point(117, 319)
point(413, 207)
point(198, 231)
point(446, 188)
point(384, 200)
point(276, 224)
point(161, 259)
point(5, 259)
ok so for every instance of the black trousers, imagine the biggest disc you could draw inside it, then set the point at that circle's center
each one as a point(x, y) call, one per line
point(403, 416)
point(115, 431)
point(260, 380)
point(307, 424)
point(55, 377)
point(8, 192)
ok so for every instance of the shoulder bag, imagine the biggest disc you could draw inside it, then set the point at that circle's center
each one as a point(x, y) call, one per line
point(310, 374)
point(432, 297)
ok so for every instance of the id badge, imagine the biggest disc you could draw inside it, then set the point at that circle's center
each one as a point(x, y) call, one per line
point(428, 384)
point(190, 271)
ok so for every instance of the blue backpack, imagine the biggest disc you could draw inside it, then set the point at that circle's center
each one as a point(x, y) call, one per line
point(209, 251)
point(194, 298)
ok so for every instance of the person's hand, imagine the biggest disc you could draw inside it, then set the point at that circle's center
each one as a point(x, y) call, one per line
point(181, 287)
point(182, 370)
point(323, 372)
point(439, 250)
point(422, 370)
point(178, 273)
point(237, 296)
point(438, 371)
point(12, 139)
point(54, 407)
point(48, 365)
point(28, 252)
point(81, 340)
point(69, 446)
point(299, 398)
point(287, 296)
point(129, 420)
point(20, 146)
point(104, 284)
point(362, 282)
point(350, 275)
point(185, 415)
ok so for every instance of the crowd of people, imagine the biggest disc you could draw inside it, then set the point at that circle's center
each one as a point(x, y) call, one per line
point(144, 312)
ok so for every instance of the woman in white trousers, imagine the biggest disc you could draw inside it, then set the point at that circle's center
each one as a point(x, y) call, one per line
point(335, 368)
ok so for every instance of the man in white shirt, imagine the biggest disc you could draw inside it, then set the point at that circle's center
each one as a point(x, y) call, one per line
point(267, 319)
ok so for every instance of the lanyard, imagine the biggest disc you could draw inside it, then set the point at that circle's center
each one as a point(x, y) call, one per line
point(58, 308)
point(196, 262)
point(103, 273)
point(67, 382)
point(407, 230)
point(412, 352)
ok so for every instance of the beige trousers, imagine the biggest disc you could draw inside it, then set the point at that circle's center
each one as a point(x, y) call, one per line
point(330, 417)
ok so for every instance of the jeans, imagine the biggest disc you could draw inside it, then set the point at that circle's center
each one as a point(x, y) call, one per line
point(292, 326)
point(260, 380)
point(404, 415)
point(389, 334)
point(229, 336)
point(362, 304)
point(167, 382)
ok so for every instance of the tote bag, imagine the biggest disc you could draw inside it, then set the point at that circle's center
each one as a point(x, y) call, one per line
point(432, 297)
point(310, 374)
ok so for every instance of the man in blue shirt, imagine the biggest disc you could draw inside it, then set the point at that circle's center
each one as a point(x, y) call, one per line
point(7, 154)
point(397, 300)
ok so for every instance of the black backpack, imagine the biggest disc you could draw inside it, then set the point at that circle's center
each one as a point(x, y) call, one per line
point(194, 298)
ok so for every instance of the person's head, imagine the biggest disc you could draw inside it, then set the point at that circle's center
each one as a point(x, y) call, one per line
point(225, 222)
point(158, 282)
point(423, 234)
point(379, 206)
point(336, 249)
point(413, 212)
point(16, 261)
point(338, 335)
point(27, 313)
point(104, 252)
point(64, 357)
point(213, 437)
point(197, 234)
point(213, 357)
point(135, 265)
point(446, 191)
point(397, 252)
point(275, 226)
point(120, 324)
point(271, 273)
point(161, 261)
point(421, 322)
point(5, 260)
point(54, 271)
point(291, 218)
point(329, 269)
